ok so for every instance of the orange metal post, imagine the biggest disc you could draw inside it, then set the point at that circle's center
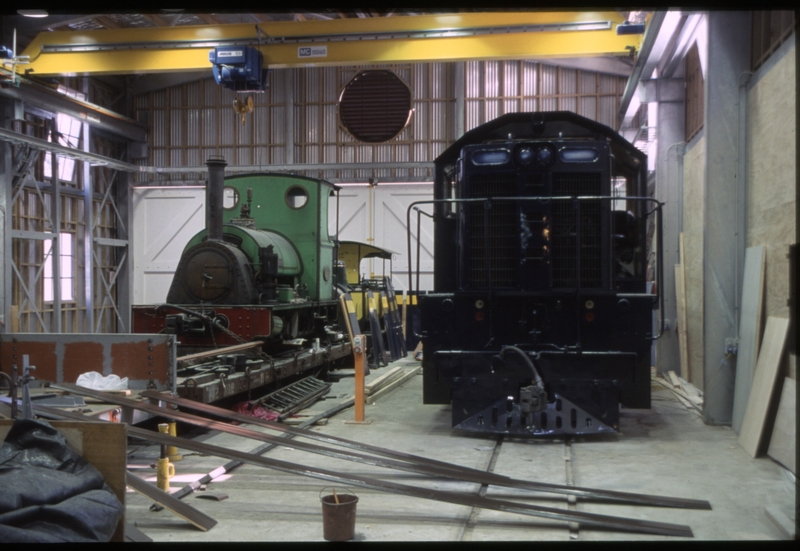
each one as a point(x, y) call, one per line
point(360, 353)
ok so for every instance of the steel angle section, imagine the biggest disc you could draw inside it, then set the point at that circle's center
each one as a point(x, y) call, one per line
point(465, 473)
point(196, 517)
point(583, 518)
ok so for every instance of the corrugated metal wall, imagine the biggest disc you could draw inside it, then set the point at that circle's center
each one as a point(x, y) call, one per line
point(494, 88)
point(190, 122)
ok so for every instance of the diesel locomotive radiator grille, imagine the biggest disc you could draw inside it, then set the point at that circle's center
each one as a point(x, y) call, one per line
point(503, 235)
point(563, 230)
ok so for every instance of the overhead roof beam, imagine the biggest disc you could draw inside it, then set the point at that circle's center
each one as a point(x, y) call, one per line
point(398, 39)
point(42, 97)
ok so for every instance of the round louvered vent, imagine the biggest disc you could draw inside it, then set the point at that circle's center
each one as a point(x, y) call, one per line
point(375, 106)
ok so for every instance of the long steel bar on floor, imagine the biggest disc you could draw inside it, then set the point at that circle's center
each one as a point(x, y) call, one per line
point(262, 449)
point(417, 464)
point(587, 519)
point(466, 473)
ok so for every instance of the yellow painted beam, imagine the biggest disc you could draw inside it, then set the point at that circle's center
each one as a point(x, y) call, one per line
point(186, 48)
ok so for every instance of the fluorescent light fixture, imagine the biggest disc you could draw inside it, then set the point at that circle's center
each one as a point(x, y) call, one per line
point(33, 13)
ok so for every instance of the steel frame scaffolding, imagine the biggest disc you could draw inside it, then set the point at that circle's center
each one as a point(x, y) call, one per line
point(85, 207)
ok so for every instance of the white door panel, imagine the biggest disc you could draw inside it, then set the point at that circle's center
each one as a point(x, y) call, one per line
point(354, 214)
point(391, 231)
point(377, 215)
point(164, 219)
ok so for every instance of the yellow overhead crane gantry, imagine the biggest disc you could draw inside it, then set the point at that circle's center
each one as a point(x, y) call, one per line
point(376, 40)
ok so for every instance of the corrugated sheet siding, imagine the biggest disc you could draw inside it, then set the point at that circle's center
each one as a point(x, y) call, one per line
point(192, 121)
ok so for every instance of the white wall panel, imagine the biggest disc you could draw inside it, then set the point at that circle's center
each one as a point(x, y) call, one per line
point(391, 203)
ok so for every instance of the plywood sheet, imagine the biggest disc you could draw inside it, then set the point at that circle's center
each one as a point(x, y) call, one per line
point(783, 441)
point(749, 330)
point(683, 344)
point(693, 288)
point(766, 373)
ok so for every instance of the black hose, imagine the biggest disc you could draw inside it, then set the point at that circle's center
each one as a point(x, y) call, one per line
point(536, 378)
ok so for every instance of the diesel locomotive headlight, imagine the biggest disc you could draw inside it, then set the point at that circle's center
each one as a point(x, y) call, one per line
point(524, 155)
point(544, 156)
point(578, 154)
point(491, 157)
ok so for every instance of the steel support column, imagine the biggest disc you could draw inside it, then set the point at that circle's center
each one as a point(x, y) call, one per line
point(120, 247)
point(728, 57)
point(124, 199)
point(6, 175)
point(55, 249)
point(88, 224)
point(668, 94)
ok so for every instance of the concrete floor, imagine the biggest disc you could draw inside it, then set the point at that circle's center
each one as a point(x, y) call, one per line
point(667, 450)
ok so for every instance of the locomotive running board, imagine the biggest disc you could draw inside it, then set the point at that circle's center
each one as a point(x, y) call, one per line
point(583, 518)
point(417, 463)
point(561, 417)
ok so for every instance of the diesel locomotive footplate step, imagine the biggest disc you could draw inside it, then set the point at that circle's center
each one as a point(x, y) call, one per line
point(295, 396)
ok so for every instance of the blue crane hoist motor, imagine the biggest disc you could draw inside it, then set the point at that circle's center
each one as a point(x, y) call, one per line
point(239, 68)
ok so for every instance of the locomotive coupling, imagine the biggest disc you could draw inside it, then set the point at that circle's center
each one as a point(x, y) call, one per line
point(532, 398)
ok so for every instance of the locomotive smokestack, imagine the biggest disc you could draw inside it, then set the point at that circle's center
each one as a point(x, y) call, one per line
point(214, 191)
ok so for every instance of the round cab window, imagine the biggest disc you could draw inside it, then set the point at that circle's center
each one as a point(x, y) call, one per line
point(230, 198)
point(296, 197)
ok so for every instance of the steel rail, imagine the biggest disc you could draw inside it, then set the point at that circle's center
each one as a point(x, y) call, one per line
point(583, 518)
point(420, 464)
point(475, 474)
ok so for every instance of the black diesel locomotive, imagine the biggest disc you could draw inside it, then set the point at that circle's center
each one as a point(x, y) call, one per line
point(540, 320)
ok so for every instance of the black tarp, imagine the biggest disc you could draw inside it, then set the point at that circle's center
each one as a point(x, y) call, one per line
point(49, 493)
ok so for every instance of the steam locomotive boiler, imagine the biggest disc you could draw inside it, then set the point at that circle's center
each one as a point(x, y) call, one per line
point(262, 270)
point(540, 320)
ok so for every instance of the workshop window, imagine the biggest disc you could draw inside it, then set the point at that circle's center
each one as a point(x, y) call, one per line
point(694, 83)
point(66, 246)
point(69, 135)
point(770, 29)
point(68, 131)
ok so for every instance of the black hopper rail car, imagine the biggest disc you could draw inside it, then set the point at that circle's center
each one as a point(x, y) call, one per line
point(541, 317)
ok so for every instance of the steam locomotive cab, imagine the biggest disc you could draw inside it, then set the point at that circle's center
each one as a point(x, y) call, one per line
point(540, 320)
